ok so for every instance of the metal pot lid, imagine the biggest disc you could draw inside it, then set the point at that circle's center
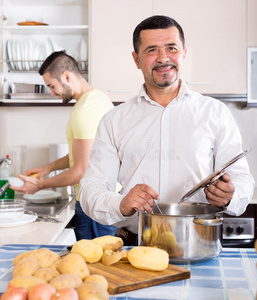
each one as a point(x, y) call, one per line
point(213, 177)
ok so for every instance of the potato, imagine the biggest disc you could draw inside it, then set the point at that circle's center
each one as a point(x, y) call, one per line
point(99, 279)
point(66, 294)
point(109, 242)
point(147, 237)
point(42, 291)
point(55, 264)
point(26, 282)
point(26, 266)
point(46, 273)
point(66, 280)
point(111, 257)
point(90, 251)
point(148, 258)
point(44, 256)
point(92, 291)
point(74, 263)
point(167, 240)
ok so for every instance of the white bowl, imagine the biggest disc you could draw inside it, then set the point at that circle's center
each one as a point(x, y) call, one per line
point(11, 210)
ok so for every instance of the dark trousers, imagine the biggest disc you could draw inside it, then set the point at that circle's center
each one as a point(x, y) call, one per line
point(86, 228)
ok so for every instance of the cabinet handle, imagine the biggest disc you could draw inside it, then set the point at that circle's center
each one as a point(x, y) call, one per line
point(198, 82)
point(4, 18)
point(3, 79)
point(119, 91)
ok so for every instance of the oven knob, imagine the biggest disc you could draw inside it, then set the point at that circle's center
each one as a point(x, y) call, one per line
point(229, 229)
point(240, 229)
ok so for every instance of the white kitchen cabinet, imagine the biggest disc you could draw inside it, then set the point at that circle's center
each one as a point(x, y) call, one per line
point(215, 33)
point(252, 23)
point(24, 48)
point(112, 67)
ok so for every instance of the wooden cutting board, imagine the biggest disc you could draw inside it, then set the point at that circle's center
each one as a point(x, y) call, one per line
point(122, 277)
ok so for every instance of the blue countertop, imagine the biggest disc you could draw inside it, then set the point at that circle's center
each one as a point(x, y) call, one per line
point(231, 276)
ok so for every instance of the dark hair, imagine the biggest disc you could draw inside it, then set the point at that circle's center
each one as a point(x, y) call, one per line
point(155, 22)
point(57, 63)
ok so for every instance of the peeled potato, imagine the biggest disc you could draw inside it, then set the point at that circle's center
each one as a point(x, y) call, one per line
point(99, 279)
point(46, 273)
point(148, 258)
point(44, 256)
point(74, 263)
point(26, 266)
point(111, 257)
point(92, 291)
point(90, 251)
point(109, 242)
point(66, 280)
point(26, 282)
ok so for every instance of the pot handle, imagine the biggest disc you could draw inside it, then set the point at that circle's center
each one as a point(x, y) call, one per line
point(208, 222)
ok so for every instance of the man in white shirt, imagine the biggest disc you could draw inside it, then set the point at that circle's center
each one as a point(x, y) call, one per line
point(163, 142)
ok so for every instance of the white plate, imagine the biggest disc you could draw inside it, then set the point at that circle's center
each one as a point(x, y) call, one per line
point(14, 53)
point(9, 52)
point(56, 47)
point(43, 196)
point(15, 181)
point(23, 220)
point(83, 54)
point(19, 55)
point(31, 53)
point(26, 55)
point(35, 55)
point(49, 47)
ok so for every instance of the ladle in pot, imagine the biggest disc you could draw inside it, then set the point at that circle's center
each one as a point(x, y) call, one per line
point(213, 177)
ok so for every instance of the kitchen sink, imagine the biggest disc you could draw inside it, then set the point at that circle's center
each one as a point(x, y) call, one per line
point(52, 209)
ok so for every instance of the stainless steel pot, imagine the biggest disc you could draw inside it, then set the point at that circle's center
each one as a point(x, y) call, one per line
point(188, 232)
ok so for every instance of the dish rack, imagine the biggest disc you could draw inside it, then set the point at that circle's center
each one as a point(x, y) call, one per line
point(16, 66)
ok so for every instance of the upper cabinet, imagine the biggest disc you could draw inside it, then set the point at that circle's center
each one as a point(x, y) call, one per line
point(215, 33)
point(251, 23)
point(112, 67)
point(30, 31)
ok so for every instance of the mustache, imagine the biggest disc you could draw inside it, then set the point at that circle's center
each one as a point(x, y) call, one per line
point(173, 65)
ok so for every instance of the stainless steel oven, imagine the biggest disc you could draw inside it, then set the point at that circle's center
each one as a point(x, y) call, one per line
point(240, 232)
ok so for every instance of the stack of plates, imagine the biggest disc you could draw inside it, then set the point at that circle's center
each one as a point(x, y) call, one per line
point(29, 55)
point(43, 196)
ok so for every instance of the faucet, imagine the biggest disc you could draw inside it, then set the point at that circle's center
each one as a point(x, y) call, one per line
point(7, 159)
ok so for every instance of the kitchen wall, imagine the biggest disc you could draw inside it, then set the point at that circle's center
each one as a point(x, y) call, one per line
point(37, 127)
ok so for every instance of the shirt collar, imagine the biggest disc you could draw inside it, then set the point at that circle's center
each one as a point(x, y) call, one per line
point(184, 92)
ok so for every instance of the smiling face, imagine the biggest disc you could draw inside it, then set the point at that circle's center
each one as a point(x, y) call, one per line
point(160, 57)
point(59, 88)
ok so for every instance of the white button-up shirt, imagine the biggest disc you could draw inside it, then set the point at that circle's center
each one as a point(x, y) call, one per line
point(170, 148)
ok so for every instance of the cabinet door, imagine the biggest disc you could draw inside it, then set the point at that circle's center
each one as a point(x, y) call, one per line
point(251, 23)
point(26, 47)
point(112, 68)
point(215, 33)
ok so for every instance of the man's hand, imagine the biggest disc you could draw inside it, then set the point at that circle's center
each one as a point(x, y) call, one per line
point(221, 192)
point(30, 186)
point(141, 198)
point(40, 171)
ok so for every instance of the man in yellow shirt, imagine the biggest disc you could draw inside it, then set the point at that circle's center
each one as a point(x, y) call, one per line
point(62, 75)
